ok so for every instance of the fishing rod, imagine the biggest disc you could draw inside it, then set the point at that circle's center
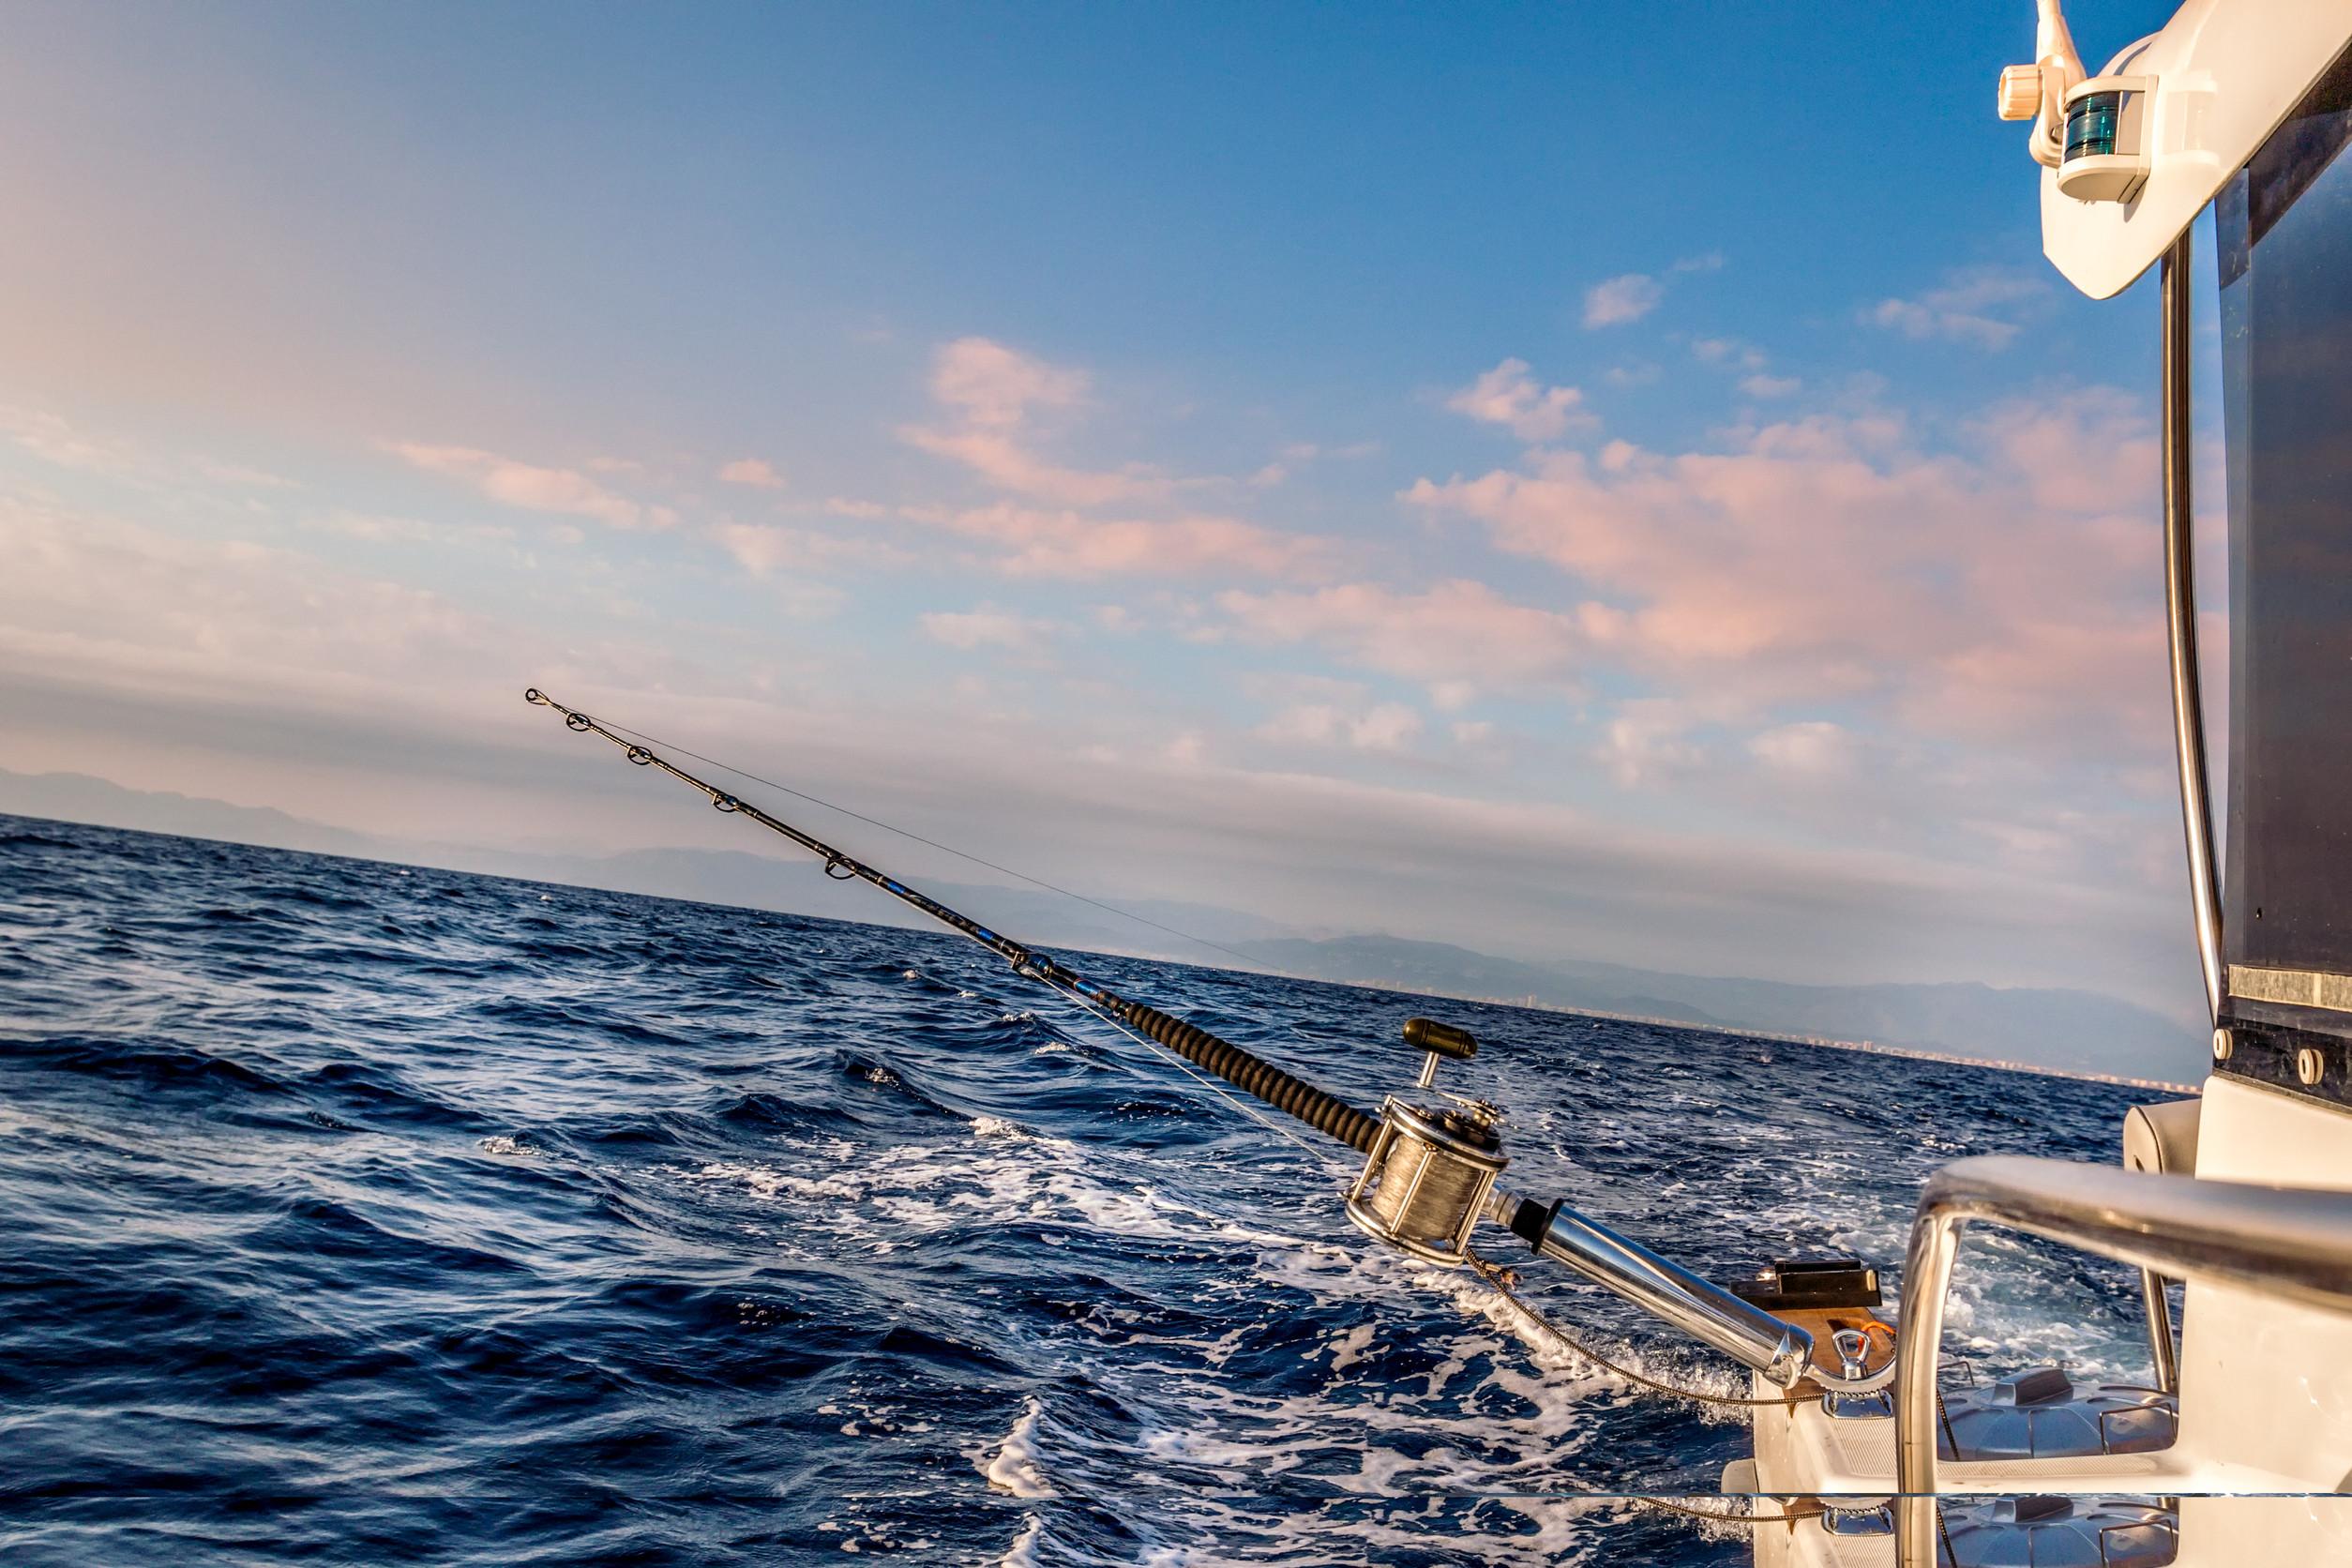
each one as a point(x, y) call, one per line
point(1254, 1075)
point(1429, 1175)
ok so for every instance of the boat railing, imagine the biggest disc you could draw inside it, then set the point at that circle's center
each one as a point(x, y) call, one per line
point(2291, 1242)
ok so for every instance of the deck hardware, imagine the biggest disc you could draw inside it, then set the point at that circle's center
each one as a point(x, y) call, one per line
point(1853, 1359)
point(1810, 1284)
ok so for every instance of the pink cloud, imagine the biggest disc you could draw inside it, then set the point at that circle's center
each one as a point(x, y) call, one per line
point(995, 387)
point(539, 490)
point(992, 391)
point(1957, 311)
point(751, 471)
point(987, 627)
point(992, 395)
point(1388, 727)
point(1063, 543)
point(1455, 635)
point(1004, 462)
point(1508, 395)
point(1622, 299)
point(2001, 597)
point(763, 548)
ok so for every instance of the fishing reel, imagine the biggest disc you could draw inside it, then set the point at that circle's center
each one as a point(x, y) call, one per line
point(1430, 1174)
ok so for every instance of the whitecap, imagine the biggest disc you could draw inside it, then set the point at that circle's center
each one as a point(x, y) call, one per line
point(1022, 1553)
point(1014, 1467)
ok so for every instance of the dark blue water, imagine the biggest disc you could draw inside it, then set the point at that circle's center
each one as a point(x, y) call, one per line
point(363, 1214)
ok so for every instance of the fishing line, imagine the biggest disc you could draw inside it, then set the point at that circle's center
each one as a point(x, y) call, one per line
point(1327, 1114)
point(875, 821)
point(1789, 1517)
point(1184, 1067)
point(1428, 1176)
point(1500, 1279)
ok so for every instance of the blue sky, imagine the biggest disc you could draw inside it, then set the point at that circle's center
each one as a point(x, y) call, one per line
point(1579, 481)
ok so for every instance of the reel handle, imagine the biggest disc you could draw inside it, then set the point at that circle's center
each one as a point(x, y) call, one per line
point(1438, 1039)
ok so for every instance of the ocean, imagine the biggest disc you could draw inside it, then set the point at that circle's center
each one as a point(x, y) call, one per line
point(364, 1214)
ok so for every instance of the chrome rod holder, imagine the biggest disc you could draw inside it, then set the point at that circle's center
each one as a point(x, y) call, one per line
point(1782, 1351)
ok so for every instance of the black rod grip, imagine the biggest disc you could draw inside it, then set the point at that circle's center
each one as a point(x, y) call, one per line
point(1334, 1118)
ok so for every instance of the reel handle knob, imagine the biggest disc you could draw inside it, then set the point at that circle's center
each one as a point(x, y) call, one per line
point(1438, 1039)
point(1441, 1039)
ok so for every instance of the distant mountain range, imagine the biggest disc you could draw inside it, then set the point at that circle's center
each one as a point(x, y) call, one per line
point(796, 886)
point(2067, 1029)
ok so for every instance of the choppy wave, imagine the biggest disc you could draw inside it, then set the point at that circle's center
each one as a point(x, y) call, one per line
point(376, 1215)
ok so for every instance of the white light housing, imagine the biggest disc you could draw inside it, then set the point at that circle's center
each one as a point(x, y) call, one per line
point(2221, 75)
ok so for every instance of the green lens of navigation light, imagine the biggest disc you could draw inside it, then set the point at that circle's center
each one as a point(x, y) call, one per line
point(2091, 125)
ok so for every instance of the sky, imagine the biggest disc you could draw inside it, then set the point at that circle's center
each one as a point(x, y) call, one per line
point(1576, 481)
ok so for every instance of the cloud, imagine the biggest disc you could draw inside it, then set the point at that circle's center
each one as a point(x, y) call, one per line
point(258, 674)
point(993, 394)
point(1735, 354)
point(751, 471)
point(1622, 299)
point(1007, 463)
point(539, 490)
point(1957, 312)
point(2000, 598)
point(986, 627)
point(764, 549)
point(1508, 395)
point(1728, 351)
point(1066, 543)
point(389, 530)
point(238, 473)
point(1647, 741)
point(113, 600)
point(1388, 727)
point(995, 387)
point(1459, 634)
point(52, 437)
point(1814, 748)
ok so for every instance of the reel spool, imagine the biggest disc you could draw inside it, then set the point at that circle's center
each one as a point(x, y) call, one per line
point(1426, 1181)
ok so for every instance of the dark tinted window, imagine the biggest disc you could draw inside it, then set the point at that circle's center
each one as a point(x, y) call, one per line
point(2284, 229)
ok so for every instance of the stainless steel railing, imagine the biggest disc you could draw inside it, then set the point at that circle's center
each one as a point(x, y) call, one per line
point(2293, 1242)
point(2180, 623)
